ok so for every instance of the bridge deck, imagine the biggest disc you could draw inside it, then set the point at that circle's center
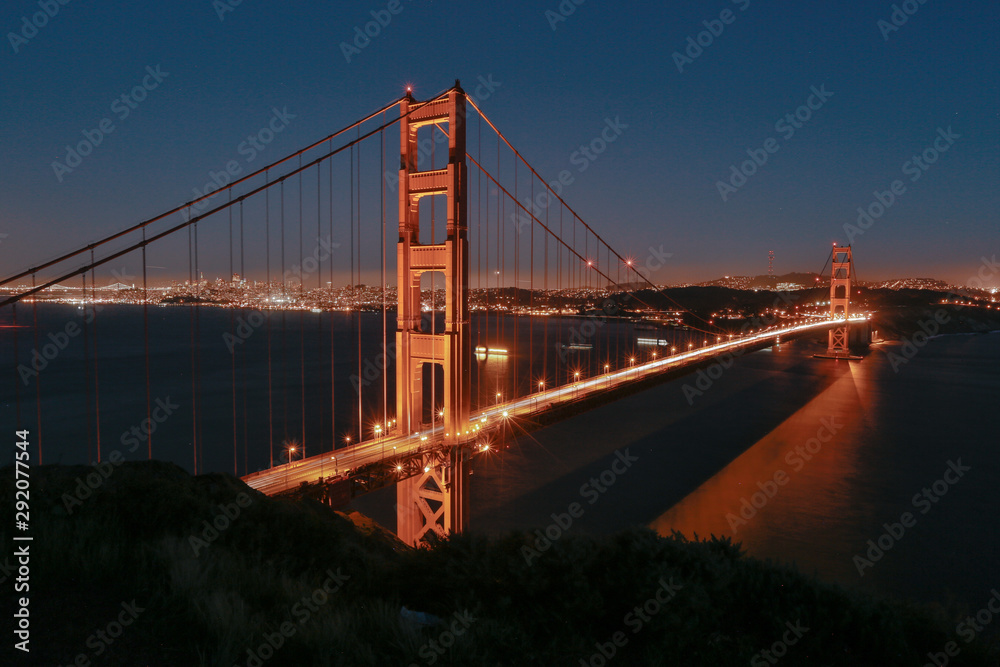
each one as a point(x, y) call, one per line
point(345, 460)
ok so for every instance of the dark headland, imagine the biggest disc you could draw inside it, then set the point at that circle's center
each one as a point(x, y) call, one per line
point(158, 567)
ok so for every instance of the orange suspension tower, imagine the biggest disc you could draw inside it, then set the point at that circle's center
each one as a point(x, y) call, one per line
point(437, 499)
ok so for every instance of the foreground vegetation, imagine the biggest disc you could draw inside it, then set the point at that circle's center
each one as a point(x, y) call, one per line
point(281, 582)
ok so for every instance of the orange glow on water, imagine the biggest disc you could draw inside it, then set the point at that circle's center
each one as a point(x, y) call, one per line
point(788, 482)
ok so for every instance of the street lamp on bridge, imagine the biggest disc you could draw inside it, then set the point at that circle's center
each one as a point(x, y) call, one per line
point(322, 463)
point(289, 452)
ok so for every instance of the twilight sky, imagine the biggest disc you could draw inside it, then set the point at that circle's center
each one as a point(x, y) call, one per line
point(690, 114)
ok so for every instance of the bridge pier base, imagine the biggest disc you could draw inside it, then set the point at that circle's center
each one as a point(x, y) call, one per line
point(436, 499)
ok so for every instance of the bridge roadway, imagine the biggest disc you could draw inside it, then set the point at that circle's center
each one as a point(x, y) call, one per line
point(342, 461)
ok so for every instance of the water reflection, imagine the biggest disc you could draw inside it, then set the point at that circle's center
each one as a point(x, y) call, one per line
point(797, 482)
point(493, 365)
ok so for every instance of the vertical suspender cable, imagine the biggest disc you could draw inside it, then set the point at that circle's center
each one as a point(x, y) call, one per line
point(319, 292)
point(97, 385)
point(385, 352)
point(479, 235)
point(531, 289)
point(194, 407)
point(356, 312)
point(433, 301)
point(197, 351)
point(232, 332)
point(562, 357)
point(270, 385)
point(361, 432)
point(284, 324)
point(502, 249)
point(545, 291)
point(17, 384)
point(243, 357)
point(196, 376)
point(333, 412)
point(516, 233)
point(38, 378)
point(86, 366)
point(499, 227)
point(618, 306)
point(145, 341)
point(302, 322)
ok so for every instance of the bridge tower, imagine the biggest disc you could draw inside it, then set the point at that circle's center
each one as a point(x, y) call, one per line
point(437, 499)
point(840, 300)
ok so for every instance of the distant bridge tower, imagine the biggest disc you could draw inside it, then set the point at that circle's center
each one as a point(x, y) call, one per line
point(437, 499)
point(840, 300)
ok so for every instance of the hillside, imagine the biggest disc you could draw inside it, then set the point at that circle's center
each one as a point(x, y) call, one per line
point(301, 585)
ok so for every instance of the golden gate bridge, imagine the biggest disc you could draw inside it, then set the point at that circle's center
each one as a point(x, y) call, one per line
point(458, 183)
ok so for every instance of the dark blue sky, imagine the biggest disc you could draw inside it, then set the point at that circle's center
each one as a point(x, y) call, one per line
point(656, 185)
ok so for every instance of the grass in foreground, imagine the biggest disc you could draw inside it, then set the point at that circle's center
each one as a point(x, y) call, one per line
point(294, 583)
